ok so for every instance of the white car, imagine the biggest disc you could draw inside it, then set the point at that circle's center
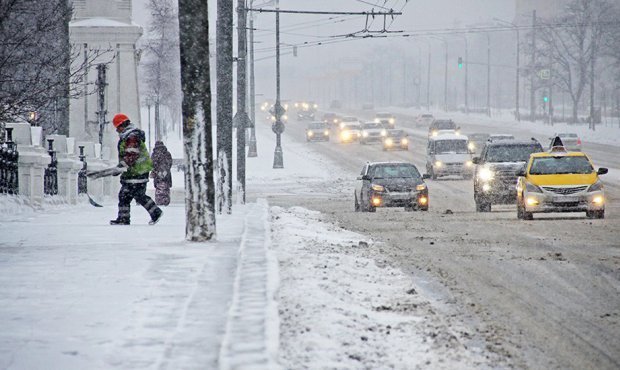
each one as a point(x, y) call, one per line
point(350, 132)
point(387, 119)
point(372, 132)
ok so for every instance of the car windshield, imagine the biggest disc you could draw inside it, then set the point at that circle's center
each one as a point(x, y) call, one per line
point(317, 125)
point(561, 165)
point(511, 153)
point(370, 126)
point(352, 127)
point(450, 146)
point(392, 171)
point(444, 125)
point(396, 133)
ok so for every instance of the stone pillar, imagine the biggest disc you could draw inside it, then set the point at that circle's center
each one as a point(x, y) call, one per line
point(68, 169)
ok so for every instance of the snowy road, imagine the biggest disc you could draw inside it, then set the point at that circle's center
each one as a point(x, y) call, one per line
point(538, 294)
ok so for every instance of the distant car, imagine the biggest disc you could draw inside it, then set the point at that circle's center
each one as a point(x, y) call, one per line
point(560, 181)
point(499, 137)
point(332, 119)
point(350, 132)
point(495, 175)
point(424, 120)
point(476, 142)
point(387, 119)
point(571, 141)
point(390, 184)
point(372, 132)
point(448, 155)
point(305, 115)
point(317, 131)
point(396, 139)
point(348, 120)
point(441, 124)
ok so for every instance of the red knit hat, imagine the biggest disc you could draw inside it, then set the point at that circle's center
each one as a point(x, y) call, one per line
point(119, 119)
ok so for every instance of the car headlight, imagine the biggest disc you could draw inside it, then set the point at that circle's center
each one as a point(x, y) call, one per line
point(377, 120)
point(597, 186)
point(376, 187)
point(532, 188)
point(438, 164)
point(346, 135)
point(389, 142)
point(341, 125)
point(469, 163)
point(404, 141)
point(471, 146)
point(310, 133)
point(284, 117)
point(326, 132)
point(315, 106)
point(486, 174)
point(420, 187)
point(383, 133)
point(365, 134)
point(335, 120)
point(391, 120)
point(434, 133)
point(598, 200)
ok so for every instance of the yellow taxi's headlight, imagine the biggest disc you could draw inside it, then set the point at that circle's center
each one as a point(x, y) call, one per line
point(420, 187)
point(598, 199)
point(438, 164)
point(486, 174)
point(376, 187)
point(532, 201)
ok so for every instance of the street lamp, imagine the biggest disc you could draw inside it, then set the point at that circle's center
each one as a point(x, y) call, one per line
point(516, 28)
point(278, 126)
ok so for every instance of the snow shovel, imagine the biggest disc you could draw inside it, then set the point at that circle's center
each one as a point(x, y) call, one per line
point(111, 171)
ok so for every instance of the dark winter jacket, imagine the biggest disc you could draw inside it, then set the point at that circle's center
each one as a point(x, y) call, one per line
point(162, 162)
point(133, 154)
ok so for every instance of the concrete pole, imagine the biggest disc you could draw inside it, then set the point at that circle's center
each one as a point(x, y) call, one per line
point(428, 80)
point(488, 74)
point(278, 157)
point(533, 72)
point(252, 150)
point(241, 117)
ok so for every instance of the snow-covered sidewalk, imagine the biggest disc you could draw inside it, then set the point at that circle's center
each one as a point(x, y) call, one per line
point(77, 293)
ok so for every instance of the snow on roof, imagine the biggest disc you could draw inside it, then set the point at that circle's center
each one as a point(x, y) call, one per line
point(99, 22)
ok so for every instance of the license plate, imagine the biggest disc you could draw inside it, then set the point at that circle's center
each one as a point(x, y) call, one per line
point(565, 199)
point(399, 196)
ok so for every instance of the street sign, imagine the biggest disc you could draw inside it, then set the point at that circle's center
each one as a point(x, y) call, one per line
point(544, 74)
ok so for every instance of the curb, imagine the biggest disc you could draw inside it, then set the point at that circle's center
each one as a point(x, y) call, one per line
point(251, 339)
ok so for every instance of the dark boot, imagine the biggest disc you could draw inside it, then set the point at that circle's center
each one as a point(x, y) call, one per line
point(119, 221)
point(156, 216)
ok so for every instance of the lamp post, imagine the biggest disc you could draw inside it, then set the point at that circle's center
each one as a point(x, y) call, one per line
point(516, 28)
point(278, 126)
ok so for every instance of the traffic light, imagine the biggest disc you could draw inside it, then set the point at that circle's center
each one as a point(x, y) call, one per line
point(460, 62)
point(545, 98)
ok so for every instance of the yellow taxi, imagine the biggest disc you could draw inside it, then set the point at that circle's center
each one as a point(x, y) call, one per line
point(560, 181)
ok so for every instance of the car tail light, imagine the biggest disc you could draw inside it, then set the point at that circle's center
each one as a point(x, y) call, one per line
point(578, 141)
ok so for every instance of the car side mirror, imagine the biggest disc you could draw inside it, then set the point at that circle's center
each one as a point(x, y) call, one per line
point(366, 177)
point(426, 176)
point(602, 171)
point(359, 178)
point(521, 172)
point(476, 160)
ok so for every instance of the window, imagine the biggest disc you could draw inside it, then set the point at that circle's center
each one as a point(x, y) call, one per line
point(450, 146)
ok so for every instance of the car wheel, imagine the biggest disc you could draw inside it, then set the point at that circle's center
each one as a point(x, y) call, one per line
point(482, 206)
point(409, 209)
point(432, 173)
point(519, 211)
point(372, 209)
point(595, 214)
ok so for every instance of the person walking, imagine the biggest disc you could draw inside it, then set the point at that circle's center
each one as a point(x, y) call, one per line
point(133, 157)
point(162, 178)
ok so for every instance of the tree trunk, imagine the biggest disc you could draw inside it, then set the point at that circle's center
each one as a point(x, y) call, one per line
point(197, 137)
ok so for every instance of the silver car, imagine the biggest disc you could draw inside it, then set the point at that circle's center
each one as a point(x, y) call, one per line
point(571, 141)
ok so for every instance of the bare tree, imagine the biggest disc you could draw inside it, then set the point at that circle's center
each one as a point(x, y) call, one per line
point(197, 120)
point(161, 74)
point(570, 47)
point(36, 69)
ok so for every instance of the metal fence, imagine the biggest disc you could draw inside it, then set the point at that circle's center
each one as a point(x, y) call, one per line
point(82, 179)
point(50, 178)
point(8, 165)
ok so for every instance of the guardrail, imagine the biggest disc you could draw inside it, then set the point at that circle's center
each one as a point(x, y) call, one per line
point(82, 179)
point(8, 165)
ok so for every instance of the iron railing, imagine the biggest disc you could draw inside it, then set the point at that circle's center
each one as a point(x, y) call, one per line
point(82, 179)
point(8, 165)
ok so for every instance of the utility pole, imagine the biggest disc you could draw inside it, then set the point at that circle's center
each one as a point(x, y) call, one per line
point(445, 81)
point(488, 74)
point(533, 71)
point(224, 64)
point(241, 118)
point(101, 112)
point(466, 76)
point(278, 126)
point(428, 80)
point(252, 151)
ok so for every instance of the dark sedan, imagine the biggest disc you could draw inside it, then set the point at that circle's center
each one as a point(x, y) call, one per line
point(390, 184)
